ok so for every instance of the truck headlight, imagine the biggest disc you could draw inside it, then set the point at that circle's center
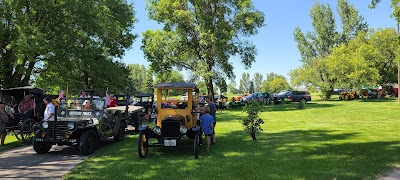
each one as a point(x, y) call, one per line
point(183, 129)
point(157, 130)
point(45, 125)
point(71, 125)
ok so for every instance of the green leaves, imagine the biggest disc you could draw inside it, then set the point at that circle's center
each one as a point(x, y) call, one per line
point(200, 36)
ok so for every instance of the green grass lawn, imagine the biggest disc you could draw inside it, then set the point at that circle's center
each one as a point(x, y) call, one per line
point(326, 140)
point(10, 142)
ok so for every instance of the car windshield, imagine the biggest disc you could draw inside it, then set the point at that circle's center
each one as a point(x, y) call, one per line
point(175, 99)
point(87, 104)
point(283, 93)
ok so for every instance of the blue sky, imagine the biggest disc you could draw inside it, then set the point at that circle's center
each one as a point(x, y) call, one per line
point(277, 50)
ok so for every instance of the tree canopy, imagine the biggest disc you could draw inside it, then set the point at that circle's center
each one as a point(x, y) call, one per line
point(275, 83)
point(65, 42)
point(315, 46)
point(201, 36)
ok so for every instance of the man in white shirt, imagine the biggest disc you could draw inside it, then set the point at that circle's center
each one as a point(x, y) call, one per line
point(50, 109)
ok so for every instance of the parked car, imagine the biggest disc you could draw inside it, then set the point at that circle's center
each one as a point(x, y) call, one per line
point(292, 96)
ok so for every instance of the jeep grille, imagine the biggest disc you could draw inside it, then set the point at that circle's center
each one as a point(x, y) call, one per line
point(62, 129)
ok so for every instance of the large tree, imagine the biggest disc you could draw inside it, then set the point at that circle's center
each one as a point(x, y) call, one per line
point(139, 75)
point(232, 87)
point(56, 37)
point(315, 46)
point(201, 36)
point(258, 81)
point(275, 83)
point(244, 84)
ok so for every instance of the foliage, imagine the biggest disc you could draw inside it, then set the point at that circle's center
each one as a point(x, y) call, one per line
point(258, 82)
point(275, 83)
point(139, 78)
point(251, 87)
point(232, 87)
point(169, 76)
point(252, 122)
point(244, 84)
point(302, 104)
point(315, 46)
point(200, 36)
point(54, 39)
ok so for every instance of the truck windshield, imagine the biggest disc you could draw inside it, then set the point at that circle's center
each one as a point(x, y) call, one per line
point(87, 104)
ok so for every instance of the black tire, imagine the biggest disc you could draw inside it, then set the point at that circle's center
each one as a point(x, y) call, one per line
point(39, 146)
point(27, 132)
point(143, 144)
point(87, 142)
point(120, 134)
point(196, 144)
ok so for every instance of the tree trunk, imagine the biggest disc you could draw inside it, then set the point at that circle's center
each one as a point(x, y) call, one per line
point(210, 88)
point(253, 135)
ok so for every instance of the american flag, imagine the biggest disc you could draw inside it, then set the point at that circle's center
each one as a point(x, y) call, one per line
point(61, 95)
point(108, 98)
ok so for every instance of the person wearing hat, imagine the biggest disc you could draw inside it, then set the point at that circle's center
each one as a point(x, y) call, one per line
point(50, 110)
point(4, 117)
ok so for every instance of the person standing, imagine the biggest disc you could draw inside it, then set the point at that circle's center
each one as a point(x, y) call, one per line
point(113, 101)
point(213, 111)
point(4, 117)
point(207, 123)
point(50, 110)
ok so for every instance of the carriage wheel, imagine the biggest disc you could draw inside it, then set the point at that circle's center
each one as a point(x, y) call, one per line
point(143, 144)
point(27, 131)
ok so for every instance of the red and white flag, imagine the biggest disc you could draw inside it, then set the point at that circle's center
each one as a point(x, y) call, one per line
point(108, 98)
point(61, 95)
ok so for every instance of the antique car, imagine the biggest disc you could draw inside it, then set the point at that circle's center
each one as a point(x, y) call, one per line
point(84, 122)
point(122, 99)
point(177, 118)
point(22, 125)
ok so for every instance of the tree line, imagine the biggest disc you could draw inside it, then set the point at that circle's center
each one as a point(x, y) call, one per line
point(349, 57)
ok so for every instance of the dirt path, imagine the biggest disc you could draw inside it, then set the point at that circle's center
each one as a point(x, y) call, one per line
point(24, 163)
point(392, 175)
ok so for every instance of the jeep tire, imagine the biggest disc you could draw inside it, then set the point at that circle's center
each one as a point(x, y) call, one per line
point(120, 133)
point(87, 142)
point(39, 146)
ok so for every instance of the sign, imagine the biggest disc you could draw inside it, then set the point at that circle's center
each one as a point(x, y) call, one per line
point(170, 142)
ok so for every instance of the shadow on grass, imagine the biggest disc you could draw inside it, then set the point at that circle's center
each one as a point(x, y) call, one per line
point(297, 154)
point(294, 106)
point(377, 100)
point(11, 145)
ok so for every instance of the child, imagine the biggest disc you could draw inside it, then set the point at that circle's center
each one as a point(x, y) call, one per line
point(207, 125)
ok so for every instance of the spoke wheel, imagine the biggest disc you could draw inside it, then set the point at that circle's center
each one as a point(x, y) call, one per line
point(143, 145)
point(27, 131)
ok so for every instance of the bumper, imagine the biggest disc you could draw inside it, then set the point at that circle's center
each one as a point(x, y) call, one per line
point(57, 140)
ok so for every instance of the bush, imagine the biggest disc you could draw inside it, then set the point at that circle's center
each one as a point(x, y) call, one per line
point(252, 122)
point(302, 104)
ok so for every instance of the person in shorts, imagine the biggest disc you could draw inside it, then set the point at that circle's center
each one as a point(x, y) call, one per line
point(207, 124)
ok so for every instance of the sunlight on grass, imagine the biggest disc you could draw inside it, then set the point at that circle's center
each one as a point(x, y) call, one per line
point(10, 142)
point(328, 139)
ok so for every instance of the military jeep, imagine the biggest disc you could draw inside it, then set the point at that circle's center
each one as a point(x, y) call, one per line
point(84, 122)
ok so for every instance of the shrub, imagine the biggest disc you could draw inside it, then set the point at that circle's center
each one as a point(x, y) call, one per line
point(252, 122)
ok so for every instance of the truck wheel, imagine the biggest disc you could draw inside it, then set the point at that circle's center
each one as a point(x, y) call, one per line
point(87, 142)
point(39, 146)
point(121, 133)
point(143, 145)
point(196, 144)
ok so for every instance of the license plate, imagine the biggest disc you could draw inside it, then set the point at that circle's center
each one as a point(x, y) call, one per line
point(72, 140)
point(170, 142)
point(38, 139)
point(59, 137)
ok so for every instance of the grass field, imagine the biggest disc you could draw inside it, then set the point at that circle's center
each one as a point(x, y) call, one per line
point(326, 140)
point(10, 142)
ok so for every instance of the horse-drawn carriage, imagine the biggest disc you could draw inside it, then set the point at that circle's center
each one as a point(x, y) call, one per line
point(21, 126)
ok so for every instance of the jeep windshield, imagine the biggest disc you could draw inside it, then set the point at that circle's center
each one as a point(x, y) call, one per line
point(87, 104)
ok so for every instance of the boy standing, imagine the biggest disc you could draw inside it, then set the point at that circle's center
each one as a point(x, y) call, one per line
point(207, 123)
